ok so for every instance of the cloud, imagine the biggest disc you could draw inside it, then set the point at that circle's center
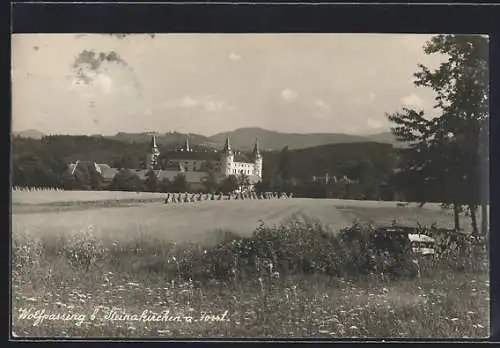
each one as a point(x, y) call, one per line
point(288, 94)
point(413, 100)
point(371, 97)
point(187, 102)
point(373, 123)
point(234, 56)
point(184, 102)
point(208, 103)
point(322, 105)
point(211, 105)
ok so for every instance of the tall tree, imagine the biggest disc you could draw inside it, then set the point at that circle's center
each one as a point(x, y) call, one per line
point(446, 154)
point(151, 181)
point(165, 185)
point(243, 181)
point(180, 183)
point(211, 183)
point(82, 178)
point(207, 166)
point(229, 184)
point(95, 178)
point(285, 165)
point(125, 180)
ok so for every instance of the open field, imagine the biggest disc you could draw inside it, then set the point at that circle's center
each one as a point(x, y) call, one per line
point(193, 221)
point(46, 197)
point(131, 273)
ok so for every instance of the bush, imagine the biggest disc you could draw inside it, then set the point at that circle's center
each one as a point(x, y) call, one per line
point(298, 246)
point(83, 249)
point(305, 247)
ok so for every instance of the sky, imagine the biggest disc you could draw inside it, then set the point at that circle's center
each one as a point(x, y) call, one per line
point(211, 83)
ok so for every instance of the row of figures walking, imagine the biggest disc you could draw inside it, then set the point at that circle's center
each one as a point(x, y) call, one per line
point(198, 197)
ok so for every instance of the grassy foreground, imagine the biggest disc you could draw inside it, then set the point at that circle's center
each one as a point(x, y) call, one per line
point(290, 281)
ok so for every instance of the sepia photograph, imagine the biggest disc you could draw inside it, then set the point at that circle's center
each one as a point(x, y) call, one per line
point(250, 186)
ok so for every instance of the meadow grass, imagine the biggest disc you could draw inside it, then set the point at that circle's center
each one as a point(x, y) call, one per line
point(292, 280)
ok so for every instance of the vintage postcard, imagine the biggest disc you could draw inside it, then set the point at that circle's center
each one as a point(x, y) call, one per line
point(205, 186)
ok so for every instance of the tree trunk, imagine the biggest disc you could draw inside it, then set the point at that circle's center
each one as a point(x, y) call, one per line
point(484, 219)
point(473, 217)
point(456, 215)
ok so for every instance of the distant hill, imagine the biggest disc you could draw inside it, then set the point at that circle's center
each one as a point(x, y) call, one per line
point(243, 138)
point(172, 139)
point(30, 133)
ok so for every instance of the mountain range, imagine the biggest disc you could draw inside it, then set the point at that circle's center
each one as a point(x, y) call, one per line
point(242, 138)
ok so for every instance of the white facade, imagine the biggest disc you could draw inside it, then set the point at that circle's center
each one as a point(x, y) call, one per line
point(226, 165)
point(229, 166)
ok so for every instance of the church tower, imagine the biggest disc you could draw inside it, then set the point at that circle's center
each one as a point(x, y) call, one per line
point(257, 159)
point(227, 159)
point(154, 155)
point(187, 148)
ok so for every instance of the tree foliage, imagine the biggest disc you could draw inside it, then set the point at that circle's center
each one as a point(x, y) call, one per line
point(151, 182)
point(125, 180)
point(446, 157)
point(229, 184)
point(180, 184)
point(211, 183)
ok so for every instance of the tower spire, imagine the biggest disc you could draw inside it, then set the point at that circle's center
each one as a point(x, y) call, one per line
point(256, 147)
point(154, 155)
point(187, 149)
point(227, 145)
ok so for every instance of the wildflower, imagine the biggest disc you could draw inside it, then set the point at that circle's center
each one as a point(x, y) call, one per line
point(353, 327)
point(275, 275)
point(454, 319)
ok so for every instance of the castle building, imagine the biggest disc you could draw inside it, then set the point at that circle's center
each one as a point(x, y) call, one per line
point(192, 164)
point(226, 163)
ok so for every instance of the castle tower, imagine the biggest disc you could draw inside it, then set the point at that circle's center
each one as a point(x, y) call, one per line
point(227, 159)
point(154, 155)
point(257, 159)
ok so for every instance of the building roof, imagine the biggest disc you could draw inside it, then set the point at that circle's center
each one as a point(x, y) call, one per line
point(104, 169)
point(109, 173)
point(193, 155)
point(242, 157)
point(191, 177)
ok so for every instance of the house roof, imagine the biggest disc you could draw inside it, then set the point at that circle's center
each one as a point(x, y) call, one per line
point(104, 169)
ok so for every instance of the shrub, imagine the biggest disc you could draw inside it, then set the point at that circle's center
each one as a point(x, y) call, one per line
point(83, 249)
